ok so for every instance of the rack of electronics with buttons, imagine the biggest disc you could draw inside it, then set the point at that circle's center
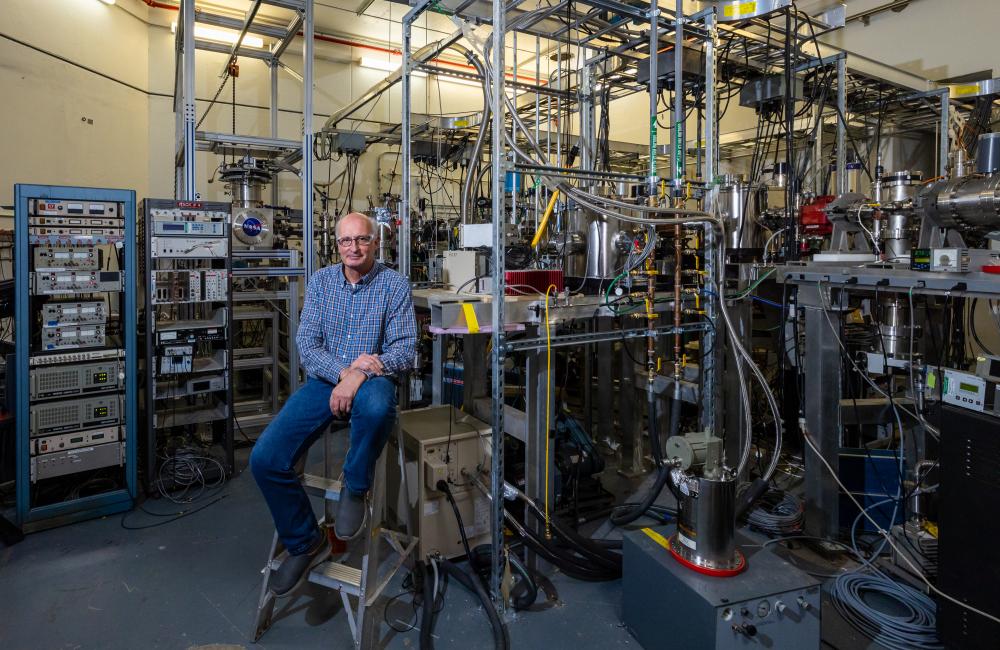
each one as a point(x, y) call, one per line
point(75, 358)
point(186, 265)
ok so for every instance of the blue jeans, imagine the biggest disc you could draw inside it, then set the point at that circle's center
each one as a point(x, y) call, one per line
point(303, 419)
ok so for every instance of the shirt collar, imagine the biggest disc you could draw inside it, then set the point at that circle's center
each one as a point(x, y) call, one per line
point(367, 277)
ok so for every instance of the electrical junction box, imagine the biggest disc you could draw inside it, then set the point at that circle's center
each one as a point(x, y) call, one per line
point(475, 235)
point(666, 605)
point(441, 443)
point(352, 143)
point(693, 67)
point(459, 268)
point(771, 88)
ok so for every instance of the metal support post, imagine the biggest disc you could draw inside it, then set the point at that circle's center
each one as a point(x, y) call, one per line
point(654, 73)
point(404, 193)
point(188, 102)
point(680, 150)
point(605, 384)
point(945, 140)
point(630, 411)
point(841, 125)
point(497, 161)
point(438, 346)
point(709, 347)
point(273, 114)
point(535, 393)
point(308, 56)
point(822, 411)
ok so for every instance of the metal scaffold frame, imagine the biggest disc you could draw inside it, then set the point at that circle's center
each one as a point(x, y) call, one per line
point(189, 139)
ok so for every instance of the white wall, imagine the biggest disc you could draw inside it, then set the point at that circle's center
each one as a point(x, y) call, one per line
point(936, 39)
point(48, 105)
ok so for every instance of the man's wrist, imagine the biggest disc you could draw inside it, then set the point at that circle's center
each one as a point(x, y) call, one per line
point(356, 373)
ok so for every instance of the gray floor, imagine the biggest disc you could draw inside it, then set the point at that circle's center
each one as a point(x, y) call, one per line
point(194, 583)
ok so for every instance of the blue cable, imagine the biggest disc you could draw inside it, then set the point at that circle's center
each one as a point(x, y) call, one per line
point(770, 303)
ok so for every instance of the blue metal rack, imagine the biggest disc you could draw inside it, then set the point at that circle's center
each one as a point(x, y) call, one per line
point(113, 501)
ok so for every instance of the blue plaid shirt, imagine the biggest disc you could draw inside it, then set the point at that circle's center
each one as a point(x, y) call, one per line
point(340, 322)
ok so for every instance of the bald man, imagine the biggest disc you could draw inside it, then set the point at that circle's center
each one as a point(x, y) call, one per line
point(357, 334)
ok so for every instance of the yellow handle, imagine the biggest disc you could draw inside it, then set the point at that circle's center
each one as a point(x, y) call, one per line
point(545, 219)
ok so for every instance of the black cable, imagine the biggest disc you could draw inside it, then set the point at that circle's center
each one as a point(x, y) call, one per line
point(501, 639)
point(427, 611)
point(179, 515)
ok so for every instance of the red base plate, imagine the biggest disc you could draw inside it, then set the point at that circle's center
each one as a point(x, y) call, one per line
point(715, 573)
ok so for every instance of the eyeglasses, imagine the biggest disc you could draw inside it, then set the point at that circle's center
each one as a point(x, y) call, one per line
point(361, 240)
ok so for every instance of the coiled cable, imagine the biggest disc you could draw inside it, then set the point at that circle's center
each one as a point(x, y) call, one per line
point(914, 628)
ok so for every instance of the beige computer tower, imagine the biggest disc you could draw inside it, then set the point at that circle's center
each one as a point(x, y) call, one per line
point(426, 434)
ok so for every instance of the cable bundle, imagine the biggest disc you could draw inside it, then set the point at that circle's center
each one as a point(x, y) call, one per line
point(779, 513)
point(915, 628)
point(190, 472)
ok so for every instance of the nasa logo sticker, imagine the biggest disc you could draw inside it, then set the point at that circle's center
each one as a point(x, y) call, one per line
point(252, 226)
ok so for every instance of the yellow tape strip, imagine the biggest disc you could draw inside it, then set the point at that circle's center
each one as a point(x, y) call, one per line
point(470, 317)
point(656, 537)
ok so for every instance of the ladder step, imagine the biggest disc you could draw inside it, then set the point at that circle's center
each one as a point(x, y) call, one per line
point(327, 488)
point(337, 576)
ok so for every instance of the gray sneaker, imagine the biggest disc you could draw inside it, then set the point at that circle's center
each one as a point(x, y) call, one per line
point(295, 569)
point(351, 513)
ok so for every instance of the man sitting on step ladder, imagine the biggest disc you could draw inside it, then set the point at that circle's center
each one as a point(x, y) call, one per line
point(356, 334)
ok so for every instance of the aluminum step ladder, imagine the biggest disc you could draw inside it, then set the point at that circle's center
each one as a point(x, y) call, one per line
point(358, 579)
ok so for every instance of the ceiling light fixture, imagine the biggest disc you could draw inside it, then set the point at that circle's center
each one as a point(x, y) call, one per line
point(387, 66)
point(227, 36)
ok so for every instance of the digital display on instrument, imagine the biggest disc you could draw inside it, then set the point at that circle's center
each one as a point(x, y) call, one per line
point(970, 388)
point(100, 377)
point(179, 227)
point(101, 412)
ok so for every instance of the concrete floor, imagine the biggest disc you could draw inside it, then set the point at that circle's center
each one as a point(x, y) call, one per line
point(194, 583)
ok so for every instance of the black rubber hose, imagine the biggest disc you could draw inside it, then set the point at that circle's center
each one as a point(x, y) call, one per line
point(427, 610)
point(500, 638)
point(574, 567)
point(524, 593)
point(571, 565)
point(443, 486)
point(627, 516)
point(573, 539)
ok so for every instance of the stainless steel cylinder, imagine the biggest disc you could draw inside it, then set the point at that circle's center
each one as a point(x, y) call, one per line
point(895, 236)
point(988, 153)
point(706, 524)
point(740, 205)
point(900, 187)
point(971, 203)
point(245, 180)
point(894, 316)
point(959, 163)
point(607, 247)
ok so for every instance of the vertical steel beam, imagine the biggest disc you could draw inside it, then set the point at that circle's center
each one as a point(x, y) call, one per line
point(680, 150)
point(536, 379)
point(188, 105)
point(842, 125)
point(273, 114)
point(945, 140)
point(710, 351)
point(822, 411)
point(497, 162)
point(437, 368)
point(404, 194)
point(654, 73)
point(308, 56)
